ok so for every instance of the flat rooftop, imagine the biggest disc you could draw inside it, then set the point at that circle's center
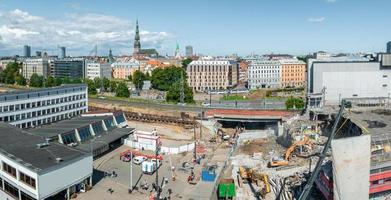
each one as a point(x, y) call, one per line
point(20, 146)
point(65, 125)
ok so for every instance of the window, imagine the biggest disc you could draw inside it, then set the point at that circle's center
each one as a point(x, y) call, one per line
point(109, 122)
point(84, 133)
point(25, 196)
point(27, 179)
point(10, 189)
point(98, 128)
point(120, 118)
point(69, 137)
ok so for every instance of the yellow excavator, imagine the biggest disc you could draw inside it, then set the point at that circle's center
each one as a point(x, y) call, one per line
point(279, 161)
point(251, 175)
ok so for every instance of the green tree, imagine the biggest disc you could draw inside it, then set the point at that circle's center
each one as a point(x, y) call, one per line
point(174, 93)
point(91, 86)
point(113, 85)
point(20, 80)
point(122, 90)
point(36, 80)
point(294, 103)
point(130, 77)
point(51, 81)
point(98, 82)
point(186, 62)
point(9, 74)
point(163, 79)
point(58, 81)
point(147, 76)
point(138, 79)
point(106, 84)
point(66, 80)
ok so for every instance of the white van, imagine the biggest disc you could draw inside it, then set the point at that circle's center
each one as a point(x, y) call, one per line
point(139, 159)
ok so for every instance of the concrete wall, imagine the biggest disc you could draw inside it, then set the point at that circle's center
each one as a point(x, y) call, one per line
point(60, 179)
point(351, 167)
point(350, 80)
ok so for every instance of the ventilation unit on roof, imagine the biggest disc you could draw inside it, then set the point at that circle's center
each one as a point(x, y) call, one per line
point(42, 145)
point(58, 160)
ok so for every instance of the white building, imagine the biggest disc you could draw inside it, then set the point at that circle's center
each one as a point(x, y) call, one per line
point(39, 66)
point(98, 70)
point(33, 169)
point(331, 81)
point(30, 108)
point(4, 63)
point(264, 74)
point(206, 75)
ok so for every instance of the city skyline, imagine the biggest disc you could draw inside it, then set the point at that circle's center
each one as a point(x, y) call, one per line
point(214, 28)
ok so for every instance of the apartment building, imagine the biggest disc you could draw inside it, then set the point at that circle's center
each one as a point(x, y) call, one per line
point(35, 169)
point(30, 108)
point(122, 70)
point(264, 74)
point(293, 73)
point(98, 70)
point(206, 75)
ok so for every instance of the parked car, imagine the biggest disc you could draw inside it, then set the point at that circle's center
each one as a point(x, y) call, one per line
point(126, 158)
point(139, 159)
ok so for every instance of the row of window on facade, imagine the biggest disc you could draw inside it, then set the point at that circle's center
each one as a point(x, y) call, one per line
point(37, 104)
point(208, 68)
point(38, 113)
point(17, 175)
point(49, 119)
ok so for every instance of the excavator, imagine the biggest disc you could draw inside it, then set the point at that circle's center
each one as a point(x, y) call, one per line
point(279, 161)
point(251, 175)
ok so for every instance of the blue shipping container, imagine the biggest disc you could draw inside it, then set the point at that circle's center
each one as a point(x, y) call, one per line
point(207, 175)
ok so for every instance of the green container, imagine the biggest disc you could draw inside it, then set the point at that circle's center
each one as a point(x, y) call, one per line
point(227, 188)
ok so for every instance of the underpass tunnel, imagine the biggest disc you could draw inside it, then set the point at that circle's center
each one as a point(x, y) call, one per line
point(250, 124)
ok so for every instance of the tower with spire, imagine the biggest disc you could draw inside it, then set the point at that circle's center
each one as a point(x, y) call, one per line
point(137, 44)
point(177, 52)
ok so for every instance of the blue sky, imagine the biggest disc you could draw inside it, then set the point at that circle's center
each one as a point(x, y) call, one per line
point(216, 27)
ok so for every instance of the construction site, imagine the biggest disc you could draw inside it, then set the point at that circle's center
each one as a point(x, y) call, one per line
point(248, 154)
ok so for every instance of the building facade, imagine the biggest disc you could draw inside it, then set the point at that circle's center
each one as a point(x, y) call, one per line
point(39, 66)
point(33, 169)
point(32, 108)
point(264, 74)
point(189, 51)
point(67, 68)
point(330, 82)
point(122, 70)
point(26, 51)
point(63, 53)
point(293, 73)
point(98, 70)
point(206, 75)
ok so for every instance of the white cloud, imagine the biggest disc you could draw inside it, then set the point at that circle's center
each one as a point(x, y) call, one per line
point(78, 32)
point(331, 1)
point(316, 19)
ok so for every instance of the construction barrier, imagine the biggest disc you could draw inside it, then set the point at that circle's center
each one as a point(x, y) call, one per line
point(163, 149)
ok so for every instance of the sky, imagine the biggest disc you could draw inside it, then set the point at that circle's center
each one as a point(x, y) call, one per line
point(212, 27)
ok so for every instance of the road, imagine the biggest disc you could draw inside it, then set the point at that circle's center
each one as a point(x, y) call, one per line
point(262, 104)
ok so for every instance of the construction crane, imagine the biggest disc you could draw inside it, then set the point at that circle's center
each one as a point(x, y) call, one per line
point(276, 162)
point(307, 188)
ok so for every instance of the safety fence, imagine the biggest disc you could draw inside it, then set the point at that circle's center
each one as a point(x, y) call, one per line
point(167, 150)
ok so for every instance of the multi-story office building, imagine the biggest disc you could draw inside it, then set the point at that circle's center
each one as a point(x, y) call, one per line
point(63, 53)
point(26, 51)
point(264, 74)
point(330, 81)
point(98, 70)
point(189, 51)
point(389, 47)
point(34, 169)
point(30, 108)
point(293, 73)
point(71, 68)
point(122, 70)
point(39, 66)
point(206, 75)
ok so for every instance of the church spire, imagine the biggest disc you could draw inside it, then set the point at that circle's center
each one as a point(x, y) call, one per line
point(137, 44)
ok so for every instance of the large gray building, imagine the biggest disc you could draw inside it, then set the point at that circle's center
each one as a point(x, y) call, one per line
point(30, 108)
point(39, 66)
point(331, 81)
point(189, 51)
point(389, 47)
point(26, 51)
point(71, 68)
point(63, 53)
